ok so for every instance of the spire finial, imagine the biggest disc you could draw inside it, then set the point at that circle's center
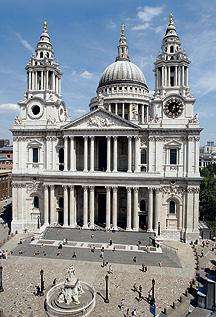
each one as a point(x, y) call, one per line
point(122, 47)
point(171, 29)
point(45, 27)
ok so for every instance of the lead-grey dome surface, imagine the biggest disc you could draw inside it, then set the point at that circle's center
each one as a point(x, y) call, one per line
point(122, 71)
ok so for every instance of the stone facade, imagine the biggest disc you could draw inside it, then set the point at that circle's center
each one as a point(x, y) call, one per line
point(132, 162)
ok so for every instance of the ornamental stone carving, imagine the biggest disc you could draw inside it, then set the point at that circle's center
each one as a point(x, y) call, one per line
point(173, 190)
point(193, 190)
point(34, 186)
point(100, 122)
point(18, 120)
point(194, 120)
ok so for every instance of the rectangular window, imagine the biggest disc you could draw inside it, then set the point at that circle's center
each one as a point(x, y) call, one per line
point(35, 155)
point(173, 156)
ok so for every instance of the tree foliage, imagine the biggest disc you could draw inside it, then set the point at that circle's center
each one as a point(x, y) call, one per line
point(208, 192)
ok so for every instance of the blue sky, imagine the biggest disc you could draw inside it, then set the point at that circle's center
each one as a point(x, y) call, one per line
point(85, 33)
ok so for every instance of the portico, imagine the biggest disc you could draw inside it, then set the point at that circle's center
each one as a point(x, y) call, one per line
point(111, 207)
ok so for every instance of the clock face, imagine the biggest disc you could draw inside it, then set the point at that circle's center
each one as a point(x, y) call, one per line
point(173, 108)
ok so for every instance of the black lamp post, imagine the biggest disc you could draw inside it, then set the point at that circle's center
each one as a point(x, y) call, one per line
point(42, 282)
point(107, 289)
point(38, 222)
point(1, 287)
point(153, 292)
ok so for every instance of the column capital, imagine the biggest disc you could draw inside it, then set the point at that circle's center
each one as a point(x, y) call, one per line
point(108, 137)
point(92, 188)
point(85, 188)
point(128, 189)
point(52, 187)
point(71, 187)
point(45, 186)
point(92, 137)
point(114, 188)
point(150, 189)
point(65, 187)
point(71, 136)
point(136, 189)
point(115, 137)
point(85, 137)
point(65, 137)
point(137, 137)
point(108, 188)
point(129, 137)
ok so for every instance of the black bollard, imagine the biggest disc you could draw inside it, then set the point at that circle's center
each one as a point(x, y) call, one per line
point(1, 282)
point(42, 288)
point(107, 289)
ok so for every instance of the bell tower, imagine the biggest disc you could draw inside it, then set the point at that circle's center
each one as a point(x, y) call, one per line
point(172, 98)
point(42, 101)
point(171, 66)
point(43, 72)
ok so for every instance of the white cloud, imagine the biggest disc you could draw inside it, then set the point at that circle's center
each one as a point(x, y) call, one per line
point(86, 74)
point(158, 29)
point(81, 111)
point(145, 16)
point(9, 107)
point(24, 43)
point(207, 83)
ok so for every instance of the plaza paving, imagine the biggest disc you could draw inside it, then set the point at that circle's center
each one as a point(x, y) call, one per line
point(21, 275)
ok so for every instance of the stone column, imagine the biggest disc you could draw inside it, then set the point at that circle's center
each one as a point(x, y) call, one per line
point(135, 214)
point(150, 209)
point(176, 76)
point(157, 208)
point(115, 206)
point(108, 153)
point(137, 154)
point(92, 154)
point(65, 188)
point(53, 212)
point(143, 114)
point(85, 207)
point(72, 209)
point(115, 154)
point(107, 207)
point(65, 154)
point(183, 78)
point(72, 154)
point(85, 153)
point(123, 110)
point(54, 152)
point(196, 210)
point(46, 205)
point(187, 76)
point(116, 109)
point(129, 138)
point(128, 209)
point(92, 206)
point(168, 84)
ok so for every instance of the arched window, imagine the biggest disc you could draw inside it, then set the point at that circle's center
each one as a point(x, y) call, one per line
point(142, 205)
point(41, 54)
point(36, 202)
point(172, 207)
point(171, 49)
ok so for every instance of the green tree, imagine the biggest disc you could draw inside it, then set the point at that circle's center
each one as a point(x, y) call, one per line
point(208, 192)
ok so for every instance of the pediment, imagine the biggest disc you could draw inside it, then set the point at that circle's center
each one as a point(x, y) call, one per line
point(173, 143)
point(100, 119)
point(35, 143)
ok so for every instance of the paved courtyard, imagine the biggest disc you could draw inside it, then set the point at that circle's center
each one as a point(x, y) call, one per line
point(21, 275)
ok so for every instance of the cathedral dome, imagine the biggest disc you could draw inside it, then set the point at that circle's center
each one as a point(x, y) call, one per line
point(122, 71)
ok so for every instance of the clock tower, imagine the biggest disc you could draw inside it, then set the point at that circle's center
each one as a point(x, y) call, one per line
point(173, 103)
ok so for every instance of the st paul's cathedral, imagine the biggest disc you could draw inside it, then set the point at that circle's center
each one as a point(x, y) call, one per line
point(130, 163)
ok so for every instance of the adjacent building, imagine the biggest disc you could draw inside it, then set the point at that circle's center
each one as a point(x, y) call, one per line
point(208, 154)
point(131, 162)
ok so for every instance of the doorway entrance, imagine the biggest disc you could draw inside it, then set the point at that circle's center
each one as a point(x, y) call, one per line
point(143, 221)
point(102, 209)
